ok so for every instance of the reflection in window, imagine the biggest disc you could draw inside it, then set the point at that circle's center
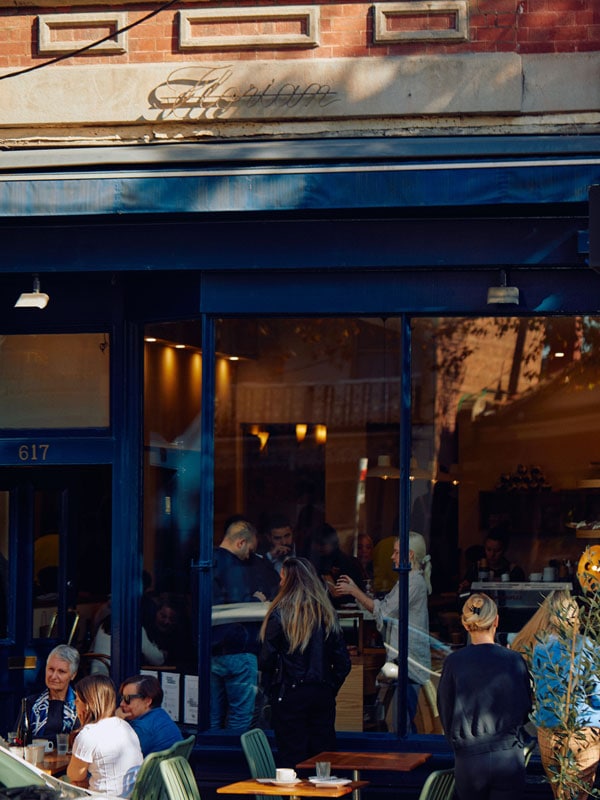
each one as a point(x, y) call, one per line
point(4, 554)
point(55, 380)
point(172, 390)
point(305, 414)
point(504, 438)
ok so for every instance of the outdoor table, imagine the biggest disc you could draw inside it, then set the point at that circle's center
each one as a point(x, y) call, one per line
point(301, 789)
point(53, 764)
point(395, 762)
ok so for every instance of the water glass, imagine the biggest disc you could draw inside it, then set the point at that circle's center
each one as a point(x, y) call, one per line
point(62, 743)
point(323, 769)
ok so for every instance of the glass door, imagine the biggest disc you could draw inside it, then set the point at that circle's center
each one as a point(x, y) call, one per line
point(55, 553)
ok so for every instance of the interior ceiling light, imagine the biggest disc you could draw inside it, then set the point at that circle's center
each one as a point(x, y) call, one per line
point(384, 469)
point(35, 299)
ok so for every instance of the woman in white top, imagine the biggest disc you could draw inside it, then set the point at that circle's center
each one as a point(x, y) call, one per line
point(106, 751)
point(386, 613)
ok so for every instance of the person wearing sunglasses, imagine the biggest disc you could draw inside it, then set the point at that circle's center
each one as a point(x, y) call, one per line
point(141, 698)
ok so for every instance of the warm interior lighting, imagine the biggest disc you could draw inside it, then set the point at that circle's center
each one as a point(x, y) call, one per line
point(179, 347)
point(35, 299)
point(234, 358)
point(301, 429)
point(384, 469)
point(263, 437)
point(559, 355)
point(320, 434)
point(149, 339)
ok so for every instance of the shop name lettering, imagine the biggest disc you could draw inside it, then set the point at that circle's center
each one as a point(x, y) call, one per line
point(211, 92)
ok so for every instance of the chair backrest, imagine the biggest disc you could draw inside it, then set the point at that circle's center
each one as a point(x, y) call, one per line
point(183, 748)
point(178, 779)
point(438, 786)
point(149, 784)
point(258, 753)
point(259, 756)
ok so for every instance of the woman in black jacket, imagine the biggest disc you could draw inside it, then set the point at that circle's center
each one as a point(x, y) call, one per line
point(304, 662)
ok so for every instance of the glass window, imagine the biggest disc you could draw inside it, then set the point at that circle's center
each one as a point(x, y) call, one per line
point(54, 381)
point(4, 561)
point(172, 391)
point(506, 475)
point(306, 450)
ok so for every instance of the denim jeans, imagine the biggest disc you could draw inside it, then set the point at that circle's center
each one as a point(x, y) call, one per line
point(233, 686)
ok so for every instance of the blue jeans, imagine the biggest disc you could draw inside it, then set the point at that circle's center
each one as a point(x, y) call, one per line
point(233, 686)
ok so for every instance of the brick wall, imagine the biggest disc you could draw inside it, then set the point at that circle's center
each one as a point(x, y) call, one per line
point(346, 30)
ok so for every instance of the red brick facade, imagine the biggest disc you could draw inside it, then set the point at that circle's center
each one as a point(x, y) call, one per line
point(346, 30)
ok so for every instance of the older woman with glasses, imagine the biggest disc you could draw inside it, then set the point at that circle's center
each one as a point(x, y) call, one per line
point(106, 751)
point(141, 699)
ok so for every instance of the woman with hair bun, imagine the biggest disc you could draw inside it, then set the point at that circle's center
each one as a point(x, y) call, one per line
point(484, 699)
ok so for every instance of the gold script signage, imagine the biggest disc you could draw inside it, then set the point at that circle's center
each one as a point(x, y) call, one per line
point(211, 92)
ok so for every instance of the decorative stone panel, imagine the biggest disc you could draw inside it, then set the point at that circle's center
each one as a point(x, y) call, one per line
point(428, 18)
point(62, 33)
point(226, 20)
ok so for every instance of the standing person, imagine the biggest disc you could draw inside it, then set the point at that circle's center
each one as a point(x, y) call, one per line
point(106, 751)
point(234, 668)
point(280, 538)
point(567, 690)
point(141, 700)
point(386, 613)
point(304, 661)
point(53, 710)
point(484, 699)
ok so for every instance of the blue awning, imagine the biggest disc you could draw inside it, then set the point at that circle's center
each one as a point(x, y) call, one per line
point(391, 181)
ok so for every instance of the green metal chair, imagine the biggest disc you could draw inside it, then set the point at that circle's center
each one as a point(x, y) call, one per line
point(259, 756)
point(178, 779)
point(149, 784)
point(438, 786)
point(183, 748)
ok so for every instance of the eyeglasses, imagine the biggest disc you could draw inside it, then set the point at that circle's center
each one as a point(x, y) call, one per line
point(127, 698)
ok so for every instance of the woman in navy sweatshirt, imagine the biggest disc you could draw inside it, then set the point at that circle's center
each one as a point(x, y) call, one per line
point(484, 699)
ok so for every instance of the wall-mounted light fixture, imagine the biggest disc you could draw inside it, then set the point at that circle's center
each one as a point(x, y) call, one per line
point(301, 430)
point(35, 299)
point(503, 294)
point(320, 434)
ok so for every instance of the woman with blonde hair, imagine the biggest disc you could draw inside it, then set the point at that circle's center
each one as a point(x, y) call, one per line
point(106, 751)
point(304, 662)
point(541, 623)
point(386, 613)
point(567, 691)
point(484, 699)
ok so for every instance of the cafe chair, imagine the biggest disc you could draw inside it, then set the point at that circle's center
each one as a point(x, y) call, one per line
point(178, 779)
point(259, 756)
point(149, 784)
point(183, 748)
point(438, 786)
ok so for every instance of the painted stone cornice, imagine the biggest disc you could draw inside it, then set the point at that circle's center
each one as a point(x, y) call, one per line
point(412, 87)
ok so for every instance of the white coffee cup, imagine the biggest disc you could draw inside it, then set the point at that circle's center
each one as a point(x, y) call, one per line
point(284, 775)
point(47, 744)
point(536, 577)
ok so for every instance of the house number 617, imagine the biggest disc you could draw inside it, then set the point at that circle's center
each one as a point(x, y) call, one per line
point(33, 452)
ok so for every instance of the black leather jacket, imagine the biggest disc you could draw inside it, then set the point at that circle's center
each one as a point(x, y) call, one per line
point(325, 660)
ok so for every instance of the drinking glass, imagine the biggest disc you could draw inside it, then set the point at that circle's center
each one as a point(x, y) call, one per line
point(323, 769)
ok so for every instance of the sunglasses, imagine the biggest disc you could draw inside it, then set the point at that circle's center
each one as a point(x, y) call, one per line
point(127, 698)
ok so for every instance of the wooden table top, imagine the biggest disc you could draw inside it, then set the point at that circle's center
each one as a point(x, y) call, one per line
point(301, 789)
point(396, 762)
point(54, 764)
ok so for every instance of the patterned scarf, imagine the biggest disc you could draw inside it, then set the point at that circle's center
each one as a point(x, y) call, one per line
point(39, 711)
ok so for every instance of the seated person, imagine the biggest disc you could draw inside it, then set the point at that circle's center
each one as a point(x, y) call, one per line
point(330, 562)
point(151, 653)
point(495, 545)
point(141, 699)
point(106, 751)
point(53, 710)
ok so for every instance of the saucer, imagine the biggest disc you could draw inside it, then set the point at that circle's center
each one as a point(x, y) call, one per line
point(275, 782)
point(331, 781)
